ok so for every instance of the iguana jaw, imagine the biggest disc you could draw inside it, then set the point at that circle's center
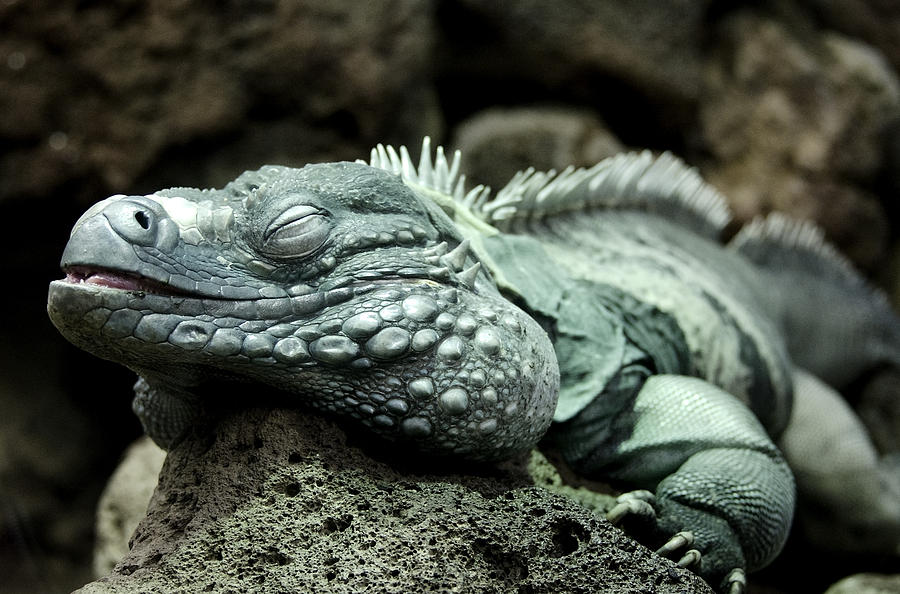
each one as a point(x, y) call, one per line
point(127, 317)
point(118, 279)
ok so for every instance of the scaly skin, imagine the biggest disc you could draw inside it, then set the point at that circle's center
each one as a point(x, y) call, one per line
point(384, 294)
point(334, 282)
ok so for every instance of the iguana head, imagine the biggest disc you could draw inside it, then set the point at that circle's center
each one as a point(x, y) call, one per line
point(337, 283)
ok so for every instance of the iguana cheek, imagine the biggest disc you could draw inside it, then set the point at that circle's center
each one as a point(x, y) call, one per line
point(447, 368)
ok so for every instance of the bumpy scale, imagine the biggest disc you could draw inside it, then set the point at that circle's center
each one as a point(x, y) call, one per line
point(385, 293)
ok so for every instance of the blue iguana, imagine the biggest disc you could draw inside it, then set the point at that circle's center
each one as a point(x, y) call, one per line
point(595, 306)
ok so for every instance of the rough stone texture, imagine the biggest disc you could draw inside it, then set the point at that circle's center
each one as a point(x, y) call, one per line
point(105, 97)
point(497, 143)
point(794, 120)
point(278, 501)
point(646, 50)
point(867, 583)
point(153, 77)
point(124, 501)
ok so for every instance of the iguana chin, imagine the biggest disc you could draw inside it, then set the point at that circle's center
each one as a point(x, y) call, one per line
point(458, 324)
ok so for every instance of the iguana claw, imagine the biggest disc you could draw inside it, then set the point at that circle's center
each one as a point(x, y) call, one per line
point(736, 582)
point(678, 542)
point(634, 503)
point(690, 559)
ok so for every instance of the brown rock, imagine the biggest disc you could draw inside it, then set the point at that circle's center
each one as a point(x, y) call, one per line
point(126, 82)
point(653, 48)
point(877, 22)
point(497, 143)
point(799, 124)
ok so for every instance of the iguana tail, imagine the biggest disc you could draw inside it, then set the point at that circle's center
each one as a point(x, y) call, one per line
point(836, 325)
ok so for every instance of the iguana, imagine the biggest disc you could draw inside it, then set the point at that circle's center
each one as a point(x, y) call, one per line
point(595, 305)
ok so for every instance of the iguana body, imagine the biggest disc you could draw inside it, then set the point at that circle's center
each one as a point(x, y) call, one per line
point(384, 293)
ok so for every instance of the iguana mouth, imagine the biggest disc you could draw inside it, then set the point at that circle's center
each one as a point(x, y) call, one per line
point(119, 279)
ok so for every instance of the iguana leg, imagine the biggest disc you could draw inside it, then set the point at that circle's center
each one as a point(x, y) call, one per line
point(851, 495)
point(714, 471)
point(165, 414)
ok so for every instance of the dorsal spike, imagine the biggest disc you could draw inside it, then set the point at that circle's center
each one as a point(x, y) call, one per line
point(408, 171)
point(467, 276)
point(396, 164)
point(638, 181)
point(426, 169)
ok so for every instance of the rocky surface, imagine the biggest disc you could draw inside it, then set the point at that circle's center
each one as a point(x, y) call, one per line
point(785, 104)
point(149, 79)
point(124, 501)
point(601, 53)
point(808, 114)
point(277, 500)
point(496, 143)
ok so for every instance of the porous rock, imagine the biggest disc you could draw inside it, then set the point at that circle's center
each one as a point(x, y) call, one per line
point(124, 502)
point(279, 501)
point(795, 121)
point(498, 142)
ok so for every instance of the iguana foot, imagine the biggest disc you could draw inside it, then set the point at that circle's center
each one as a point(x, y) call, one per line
point(639, 506)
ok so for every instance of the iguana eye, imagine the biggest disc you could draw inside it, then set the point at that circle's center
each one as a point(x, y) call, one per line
point(297, 232)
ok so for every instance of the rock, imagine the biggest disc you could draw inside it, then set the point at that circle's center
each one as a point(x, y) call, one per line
point(105, 92)
point(101, 98)
point(124, 501)
point(277, 500)
point(877, 22)
point(617, 54)
point(496, 143)
point(867, 583)
point(799, 124)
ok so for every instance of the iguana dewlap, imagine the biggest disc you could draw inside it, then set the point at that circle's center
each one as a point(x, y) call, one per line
point(598, 300)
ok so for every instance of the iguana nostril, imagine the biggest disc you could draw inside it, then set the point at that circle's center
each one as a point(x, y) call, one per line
point(134, 221)
point(142, 219)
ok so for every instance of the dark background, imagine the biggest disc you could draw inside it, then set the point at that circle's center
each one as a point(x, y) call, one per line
point(783, 105)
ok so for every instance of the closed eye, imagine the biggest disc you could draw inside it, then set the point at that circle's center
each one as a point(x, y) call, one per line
point(297, 232)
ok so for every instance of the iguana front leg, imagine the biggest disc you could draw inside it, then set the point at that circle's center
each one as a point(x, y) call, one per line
point(714, 471)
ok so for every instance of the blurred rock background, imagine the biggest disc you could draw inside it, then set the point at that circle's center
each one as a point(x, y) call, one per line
point(790, 105)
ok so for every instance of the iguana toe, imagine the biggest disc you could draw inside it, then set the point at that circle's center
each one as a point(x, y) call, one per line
point(736, 582)
point(678, 542)
point(637, 504)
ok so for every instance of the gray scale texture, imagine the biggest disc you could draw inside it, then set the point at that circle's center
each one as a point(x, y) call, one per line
point(280, 503)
